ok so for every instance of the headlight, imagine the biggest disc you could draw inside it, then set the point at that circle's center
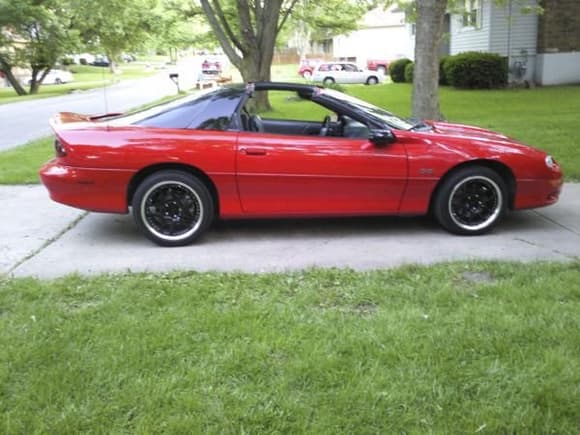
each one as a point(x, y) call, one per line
point(550, 162)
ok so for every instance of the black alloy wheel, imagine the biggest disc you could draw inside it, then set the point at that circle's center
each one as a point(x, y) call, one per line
point(471, 201)
point(172, 208)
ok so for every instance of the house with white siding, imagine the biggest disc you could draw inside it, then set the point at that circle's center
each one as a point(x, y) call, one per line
point(382, 34)
point(541, 48)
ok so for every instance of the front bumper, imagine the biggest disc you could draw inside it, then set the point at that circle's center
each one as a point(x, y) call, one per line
point(537, 193)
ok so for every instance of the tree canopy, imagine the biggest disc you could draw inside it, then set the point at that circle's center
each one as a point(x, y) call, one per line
point(34, 34)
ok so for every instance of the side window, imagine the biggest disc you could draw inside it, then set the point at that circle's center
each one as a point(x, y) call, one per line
point(350, 67)
point(291, 114)
point(288, 105)
point(323, 67)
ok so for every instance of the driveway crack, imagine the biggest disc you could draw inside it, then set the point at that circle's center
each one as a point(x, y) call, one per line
point(48, 242)
point(564, 227)
point(539, 245)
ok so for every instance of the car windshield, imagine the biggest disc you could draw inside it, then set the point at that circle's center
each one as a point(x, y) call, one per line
point(391, 119)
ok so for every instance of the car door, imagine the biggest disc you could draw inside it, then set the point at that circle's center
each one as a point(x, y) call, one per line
point(311, 175)
point(352, 74)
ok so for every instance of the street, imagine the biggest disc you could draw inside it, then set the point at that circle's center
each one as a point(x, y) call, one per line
point(28, 120)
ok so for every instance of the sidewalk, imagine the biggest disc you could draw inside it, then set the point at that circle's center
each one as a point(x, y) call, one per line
point(44, 239)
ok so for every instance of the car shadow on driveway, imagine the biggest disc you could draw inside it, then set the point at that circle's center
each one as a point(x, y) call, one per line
point(123, 230)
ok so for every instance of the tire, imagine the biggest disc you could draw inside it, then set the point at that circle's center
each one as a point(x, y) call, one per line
point(328, 81)
point(382, 70)
point(471, 201)
point(372, 80)
point(307, 75)
point(172, 208)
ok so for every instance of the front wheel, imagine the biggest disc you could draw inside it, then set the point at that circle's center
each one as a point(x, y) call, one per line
point(372, 80)
point(307, 75)
point(471, 201)
point(172, 208)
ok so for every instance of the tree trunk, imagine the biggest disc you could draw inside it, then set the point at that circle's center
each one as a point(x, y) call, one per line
point(430, 16)
point(34, 85)
point(254, 70)
point(249, 44)
point(7, 70)
point(36, 79)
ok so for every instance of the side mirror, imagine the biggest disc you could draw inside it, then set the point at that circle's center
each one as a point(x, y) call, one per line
point(381, 137)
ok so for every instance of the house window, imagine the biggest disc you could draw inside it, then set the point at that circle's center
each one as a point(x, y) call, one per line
point(472, 13)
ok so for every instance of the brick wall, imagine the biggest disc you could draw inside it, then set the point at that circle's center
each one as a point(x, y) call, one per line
point(559, 26)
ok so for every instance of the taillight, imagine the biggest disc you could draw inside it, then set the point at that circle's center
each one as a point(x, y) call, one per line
point(59, 148)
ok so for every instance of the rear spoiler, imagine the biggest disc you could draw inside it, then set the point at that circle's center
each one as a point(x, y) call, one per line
point(68, 117)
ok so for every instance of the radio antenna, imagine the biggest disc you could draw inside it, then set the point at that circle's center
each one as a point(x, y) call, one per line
point(105, 95)
point(105, 91)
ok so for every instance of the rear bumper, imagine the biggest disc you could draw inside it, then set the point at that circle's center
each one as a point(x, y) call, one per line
point(101, 190)
point(537, 193)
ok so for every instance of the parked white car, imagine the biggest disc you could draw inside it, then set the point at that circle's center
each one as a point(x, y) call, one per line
point(54, 77)
point(345, 72)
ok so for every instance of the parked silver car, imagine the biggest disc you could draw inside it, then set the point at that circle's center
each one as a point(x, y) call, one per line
point(54, 77)
point(345, 72)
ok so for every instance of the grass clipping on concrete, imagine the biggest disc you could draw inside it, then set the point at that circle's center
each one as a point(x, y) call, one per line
point(456, 348)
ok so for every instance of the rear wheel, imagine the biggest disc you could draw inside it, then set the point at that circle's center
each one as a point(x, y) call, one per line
point(307, 74)
point(471, 201)
point(172, 208)
point(372, 80)
point(328, 81)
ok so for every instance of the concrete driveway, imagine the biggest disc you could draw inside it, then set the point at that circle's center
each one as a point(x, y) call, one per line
point(41, 238)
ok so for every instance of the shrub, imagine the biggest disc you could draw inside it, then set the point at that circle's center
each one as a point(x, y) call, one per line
point(476, 70)
point(336, 87)
point(442, 77)
point(66, 61)
point(397, 70)
point(409, 68)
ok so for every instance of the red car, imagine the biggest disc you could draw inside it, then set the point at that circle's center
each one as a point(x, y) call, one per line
point(211, 66)
point(181, 165)
point(307, 66)
point(379, 65)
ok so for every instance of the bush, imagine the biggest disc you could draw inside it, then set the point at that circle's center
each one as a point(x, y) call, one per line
point(442, 77)
point(409, 68)
point(397, 70)
point(336, 87)
point(475, 70)
point(66, 61)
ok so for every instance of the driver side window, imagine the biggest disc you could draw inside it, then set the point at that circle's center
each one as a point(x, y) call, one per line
point(290, 114)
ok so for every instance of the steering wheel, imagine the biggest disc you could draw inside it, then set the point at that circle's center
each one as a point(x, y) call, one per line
point(324, 130)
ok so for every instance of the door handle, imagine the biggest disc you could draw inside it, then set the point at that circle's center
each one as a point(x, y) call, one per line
point(253, 151)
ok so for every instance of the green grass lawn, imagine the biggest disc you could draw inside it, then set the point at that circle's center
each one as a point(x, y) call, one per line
point(543, 117)
point(408, 350)
point(20, 165)
point(85, 77)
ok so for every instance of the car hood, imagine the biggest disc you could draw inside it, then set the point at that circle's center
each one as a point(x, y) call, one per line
point(481, 137)
point(467, 131)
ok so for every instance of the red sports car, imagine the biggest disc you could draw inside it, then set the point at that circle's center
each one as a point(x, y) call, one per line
point(181, 165)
